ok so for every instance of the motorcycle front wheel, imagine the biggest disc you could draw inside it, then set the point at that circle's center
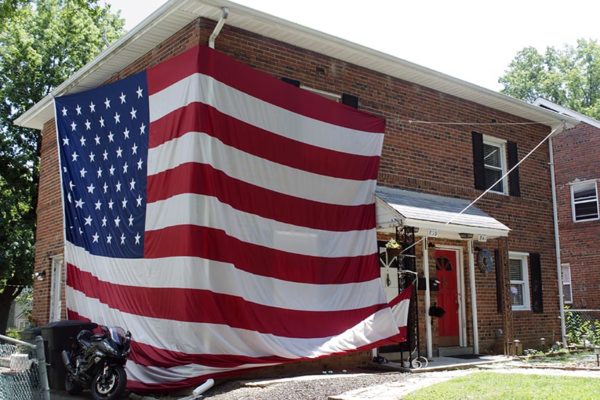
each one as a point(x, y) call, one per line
point(109, 385)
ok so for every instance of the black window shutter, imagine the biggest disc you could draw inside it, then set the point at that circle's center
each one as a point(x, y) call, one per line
point(514, 188)
point(478, 169)
point(499, 281)
point(350, 100)
point(537, 303)
point(291, 81)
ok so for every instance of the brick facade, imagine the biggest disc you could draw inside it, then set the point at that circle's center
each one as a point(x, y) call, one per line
point(433, 158)
point(576, 158)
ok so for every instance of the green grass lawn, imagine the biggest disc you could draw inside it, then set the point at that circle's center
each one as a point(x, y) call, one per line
point(495, 386)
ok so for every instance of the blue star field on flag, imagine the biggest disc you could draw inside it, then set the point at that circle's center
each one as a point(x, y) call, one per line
point(103, 142)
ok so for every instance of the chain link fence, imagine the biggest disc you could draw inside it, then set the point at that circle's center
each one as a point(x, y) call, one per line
point(23, 370)
point(583, 327)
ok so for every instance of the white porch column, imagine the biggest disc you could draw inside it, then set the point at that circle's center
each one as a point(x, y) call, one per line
point(427, 298)
point(473, 296)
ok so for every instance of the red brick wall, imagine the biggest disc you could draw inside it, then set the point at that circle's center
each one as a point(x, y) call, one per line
point(433, 158)
point(49, 235)
point(576, 157)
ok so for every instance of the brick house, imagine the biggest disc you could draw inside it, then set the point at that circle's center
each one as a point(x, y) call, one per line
point(577, 169)
point(492, 269)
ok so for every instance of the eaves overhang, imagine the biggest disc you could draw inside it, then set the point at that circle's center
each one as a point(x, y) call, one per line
point(175, 14)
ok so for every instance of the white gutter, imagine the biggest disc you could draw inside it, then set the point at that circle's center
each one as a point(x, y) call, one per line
point(288, 32)
point(561, 301)
point(140, 29)
point(218, 27)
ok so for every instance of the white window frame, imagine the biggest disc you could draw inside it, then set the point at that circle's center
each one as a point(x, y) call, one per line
point(565, 282)
point(501, 145)
point(524, 258)
point(57, 273)
point(576, 185)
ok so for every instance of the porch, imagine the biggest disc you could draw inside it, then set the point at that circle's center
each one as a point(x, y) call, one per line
point(443, 244)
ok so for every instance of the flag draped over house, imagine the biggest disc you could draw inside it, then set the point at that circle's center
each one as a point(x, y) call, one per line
point(224, 217)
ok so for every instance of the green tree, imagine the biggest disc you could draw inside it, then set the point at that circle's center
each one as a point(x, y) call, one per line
point(569, 76)
point(42, 43)
point(9, 7)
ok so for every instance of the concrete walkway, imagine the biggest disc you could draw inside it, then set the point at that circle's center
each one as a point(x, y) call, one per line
point(446, 363)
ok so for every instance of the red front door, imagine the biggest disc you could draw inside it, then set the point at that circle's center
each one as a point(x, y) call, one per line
point(447, 298)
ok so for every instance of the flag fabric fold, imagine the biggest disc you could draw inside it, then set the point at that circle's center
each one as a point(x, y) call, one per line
point(225, 218)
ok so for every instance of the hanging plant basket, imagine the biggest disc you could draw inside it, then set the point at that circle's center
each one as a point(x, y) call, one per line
point(393, 248)
point(393, 252)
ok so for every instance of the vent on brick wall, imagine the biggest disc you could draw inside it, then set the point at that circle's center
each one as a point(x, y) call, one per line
point(350, 100)
point(291, 81)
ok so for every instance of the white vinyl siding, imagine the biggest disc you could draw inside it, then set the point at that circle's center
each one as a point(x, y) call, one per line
point(584, 201)
point(566, 281)
point(494, 163)
point(519, 281)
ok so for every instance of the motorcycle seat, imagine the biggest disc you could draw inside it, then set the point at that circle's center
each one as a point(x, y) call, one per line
point(86, 338)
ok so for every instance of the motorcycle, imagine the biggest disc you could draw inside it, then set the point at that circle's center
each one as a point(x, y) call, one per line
point(97, 362)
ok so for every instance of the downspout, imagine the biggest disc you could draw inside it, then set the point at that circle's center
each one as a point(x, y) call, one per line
point(473, 296)
point(561, 301)
point(218, 27)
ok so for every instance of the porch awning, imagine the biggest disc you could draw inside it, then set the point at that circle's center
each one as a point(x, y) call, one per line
point(430, 213)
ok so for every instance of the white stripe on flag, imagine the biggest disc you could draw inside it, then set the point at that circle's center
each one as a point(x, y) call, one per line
point(201, 148)
point(192, 209)
point(220, 277)
point(155, 375)
point(205, 89)
point(400, 312)
point(222, 339)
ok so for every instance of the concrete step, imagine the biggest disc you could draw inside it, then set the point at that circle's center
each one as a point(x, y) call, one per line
point(454, 351)
point(5, 362)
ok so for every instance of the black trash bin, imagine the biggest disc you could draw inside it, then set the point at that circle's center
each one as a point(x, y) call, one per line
point(60, 335)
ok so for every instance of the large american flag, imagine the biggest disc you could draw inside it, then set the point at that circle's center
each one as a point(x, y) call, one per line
point(224, 217)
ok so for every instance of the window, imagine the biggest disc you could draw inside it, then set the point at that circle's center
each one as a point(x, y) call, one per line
point(519, 281)
point(494, 163)
point(566, 281)
point(584, 201)
point(492, 159)
point(57, 283)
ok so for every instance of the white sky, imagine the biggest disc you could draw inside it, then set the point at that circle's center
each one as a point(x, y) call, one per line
point(473, 40)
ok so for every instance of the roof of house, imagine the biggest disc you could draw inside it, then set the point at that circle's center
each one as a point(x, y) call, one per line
point(566, 111)
point(430, 211)
point(175, 14)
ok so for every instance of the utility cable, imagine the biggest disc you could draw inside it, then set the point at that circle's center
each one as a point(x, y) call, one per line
point(494, 184)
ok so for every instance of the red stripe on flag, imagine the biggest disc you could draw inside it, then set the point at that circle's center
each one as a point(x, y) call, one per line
point(144, 354)
point(406, 294)
point(176, 303)
point(191, 382)
point(199, 117)
point(214, 244)
point(260, 85)
point(203, 179)
point(176, 357)
point(148, 355)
